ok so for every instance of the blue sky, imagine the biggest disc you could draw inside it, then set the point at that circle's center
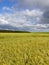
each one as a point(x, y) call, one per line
point(29, 15)
point(5, 3)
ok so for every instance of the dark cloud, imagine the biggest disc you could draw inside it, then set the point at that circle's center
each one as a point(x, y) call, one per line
point(45, 17)
point(9, 27)
point(46, 14)
point(33, 3)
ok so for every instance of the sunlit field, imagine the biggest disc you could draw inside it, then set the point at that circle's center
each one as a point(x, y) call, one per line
point(24, 48)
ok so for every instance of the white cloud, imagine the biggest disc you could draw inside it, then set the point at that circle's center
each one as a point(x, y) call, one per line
point(5, 8)
point(3, 20)
point(34, 13)
point(20, 18)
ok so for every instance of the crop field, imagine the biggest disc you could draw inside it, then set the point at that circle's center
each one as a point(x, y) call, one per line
point(24, 48)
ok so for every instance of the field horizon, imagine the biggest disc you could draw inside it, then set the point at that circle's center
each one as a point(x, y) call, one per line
point(13, 31)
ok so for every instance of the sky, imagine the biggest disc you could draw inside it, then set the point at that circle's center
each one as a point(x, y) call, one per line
point(26, 15)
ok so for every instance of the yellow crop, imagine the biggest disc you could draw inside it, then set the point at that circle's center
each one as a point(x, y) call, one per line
point(24, 48)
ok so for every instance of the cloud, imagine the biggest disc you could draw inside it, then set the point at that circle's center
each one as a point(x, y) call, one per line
point(31, 20)
point(37, 7)
point(45, 17)
point(29, 4)
point(34, 3)
point(6, 8)
point(26, 17)
point(33, 13)
point(3, 20)
point(23, 20)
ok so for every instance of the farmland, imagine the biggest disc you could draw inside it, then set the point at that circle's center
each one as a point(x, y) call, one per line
point(24, 48)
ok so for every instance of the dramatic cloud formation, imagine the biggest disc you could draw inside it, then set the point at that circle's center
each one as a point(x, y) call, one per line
point(31, 15)
point(23, 20)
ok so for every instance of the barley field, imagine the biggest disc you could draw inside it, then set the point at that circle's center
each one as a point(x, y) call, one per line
point(24, 48)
